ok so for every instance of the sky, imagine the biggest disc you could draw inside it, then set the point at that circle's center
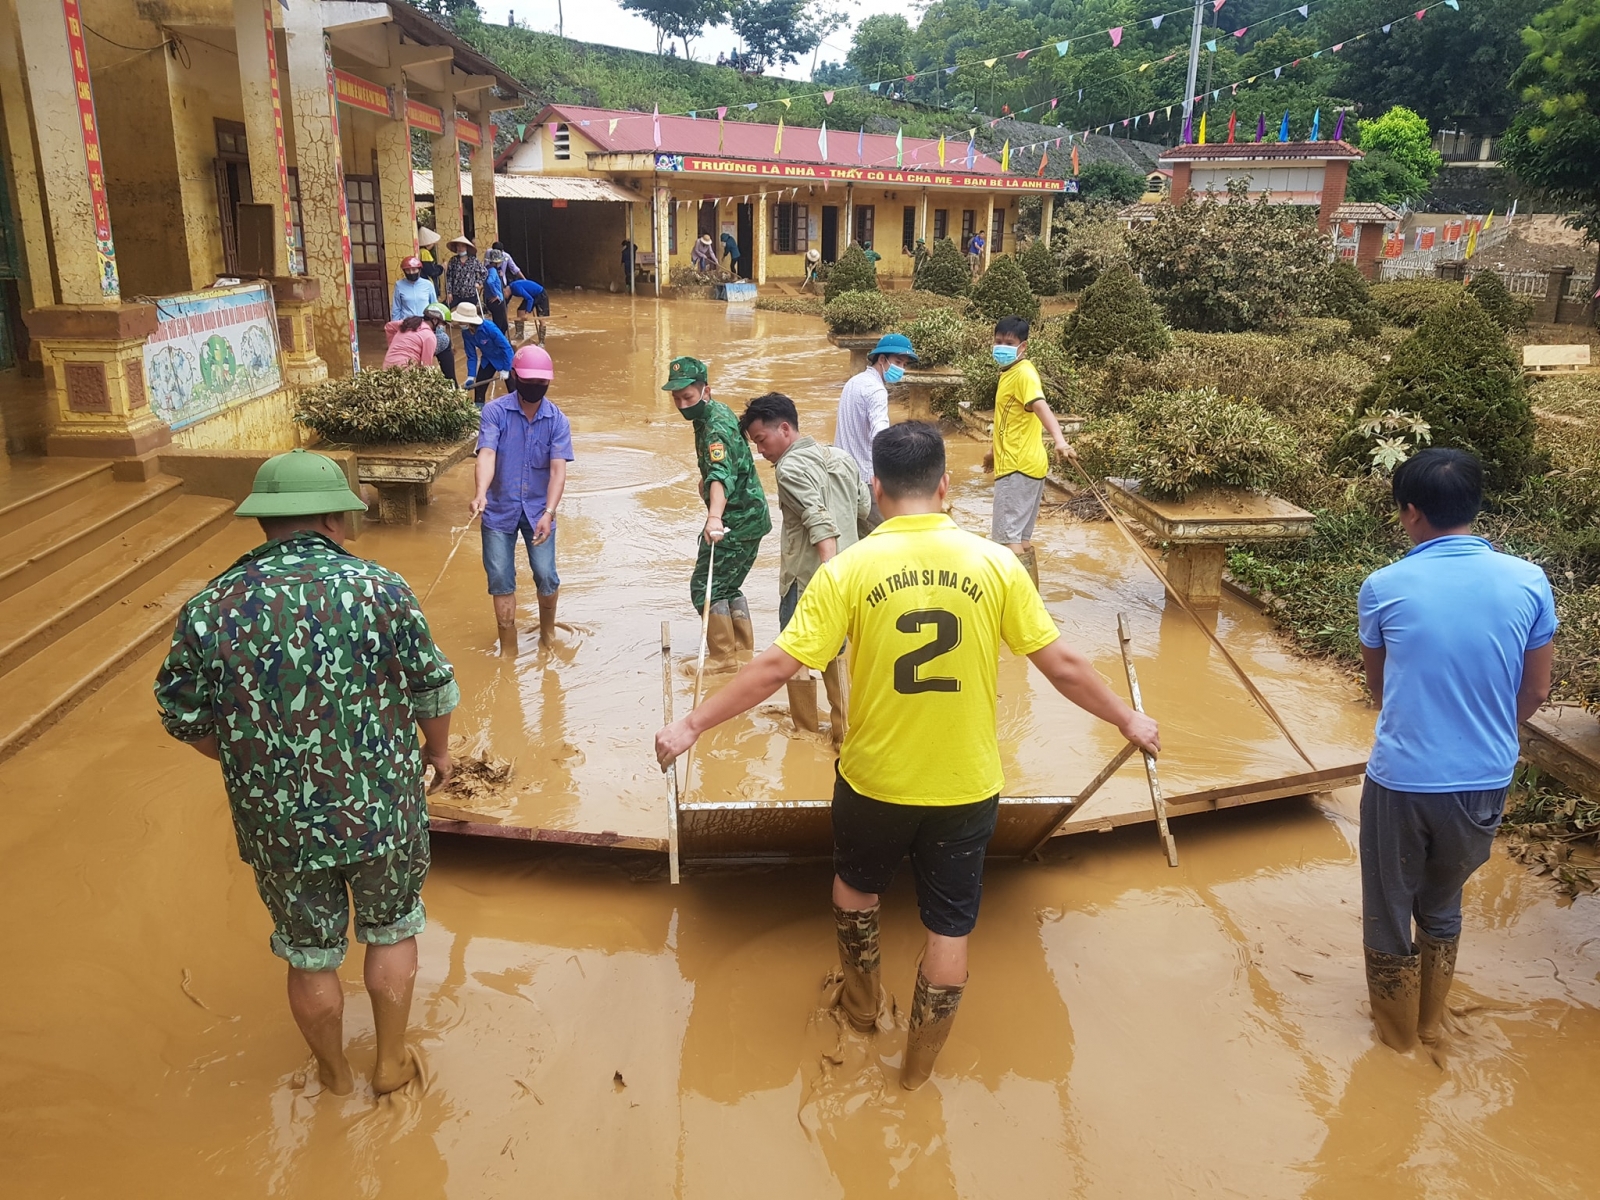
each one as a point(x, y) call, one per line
point(606, 22)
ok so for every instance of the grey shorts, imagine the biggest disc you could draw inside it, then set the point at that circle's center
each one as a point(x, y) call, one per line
point(1016, 507)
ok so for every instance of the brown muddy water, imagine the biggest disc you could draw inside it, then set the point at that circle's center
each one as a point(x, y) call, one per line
point(588, 1030)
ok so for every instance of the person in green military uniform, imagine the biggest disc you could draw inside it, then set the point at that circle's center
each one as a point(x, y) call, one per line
point(306, 672)
point(736, 508)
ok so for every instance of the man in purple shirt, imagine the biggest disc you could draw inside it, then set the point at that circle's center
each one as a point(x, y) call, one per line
point(524, 446)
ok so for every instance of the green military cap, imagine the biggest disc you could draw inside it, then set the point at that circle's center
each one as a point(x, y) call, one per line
point(684, 372)
point(299, 484)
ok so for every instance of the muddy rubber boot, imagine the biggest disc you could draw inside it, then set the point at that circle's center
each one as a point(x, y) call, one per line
point(547, 618)
point(933, 1012)
point(836, 682)
point(1438, 969)
point(1030, 563)
point(508, 641)
point(744, 633)
point(1394, 984)
point(721, 648)
point(858, 956)
point(803, 703)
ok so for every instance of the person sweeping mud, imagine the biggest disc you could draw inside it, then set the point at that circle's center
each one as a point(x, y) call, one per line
point(305, 671)
point(924, 607)
point(524, 446)
point(1456, 641)
point(736, 509)
point(823, 502)
point(1021, 418)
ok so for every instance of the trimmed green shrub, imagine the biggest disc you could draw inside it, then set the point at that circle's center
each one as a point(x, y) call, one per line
point(1176, 443)
point(1406, 301)
point(1090, 239)
point(908, 305)
point(1505, 310)
point(1344, 290)
point(1116, 315)
point(854, 272)
point(858, 312)
point(1044, 272)
point(942, 336)
point(804, 306)
point(946, 272)
point(1230, 268)
point(1458, 374)
point(401, 404)
point(1003, 291)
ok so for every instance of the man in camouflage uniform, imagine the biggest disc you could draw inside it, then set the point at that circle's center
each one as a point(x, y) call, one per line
point(305, 671)
point(736, 508)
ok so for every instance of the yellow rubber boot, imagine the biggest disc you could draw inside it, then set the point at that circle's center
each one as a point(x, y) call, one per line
point(933, 1012)
point(721, 648)
point(744, 633)
point(861, 963)
point(803, 703)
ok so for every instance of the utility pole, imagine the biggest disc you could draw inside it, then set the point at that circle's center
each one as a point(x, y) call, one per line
point(1194, 61)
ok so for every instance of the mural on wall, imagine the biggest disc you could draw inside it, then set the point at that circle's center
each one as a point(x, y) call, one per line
point(211, 350)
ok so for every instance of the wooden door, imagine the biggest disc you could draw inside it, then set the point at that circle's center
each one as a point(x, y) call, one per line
point(366, 247)
point(830, 233)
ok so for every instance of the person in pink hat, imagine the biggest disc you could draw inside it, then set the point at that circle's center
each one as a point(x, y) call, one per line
point(524, 446)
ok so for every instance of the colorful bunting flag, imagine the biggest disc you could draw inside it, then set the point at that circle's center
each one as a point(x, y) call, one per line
point(861, 143)
point(777, 141)
point(1283, 130)
point(822, 142)
point(613, 124)
point(1216, 5)
point(1005, 156)
point(1316, 126)
point(1305, 10)
point(1044, 160)
point(1211, 45)
point(1338, 127)
point(1386, 28)
point(1021, 54)
point(990, 62)
point(1456, 4)
point(1201, 140)
point(1075, 158)
point(1261, 128)
point(899, 147)
point(972, 150)
point(1116, 35)
point(827, 97)
point(1188, 130)
point(1233, 117)
point(1155, 22)
point(783, 100)
point(655, 122)
point(1238, 33)
point(1062, 48)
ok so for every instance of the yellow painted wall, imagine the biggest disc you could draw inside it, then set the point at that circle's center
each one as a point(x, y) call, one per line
point(205, 90)
point(266, 423)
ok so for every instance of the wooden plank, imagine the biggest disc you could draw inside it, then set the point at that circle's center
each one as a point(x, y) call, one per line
point(606, 839)
point(1549, 358)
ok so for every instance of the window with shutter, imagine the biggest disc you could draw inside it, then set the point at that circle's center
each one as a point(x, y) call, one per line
point(802, 228)
point(941, 223)
point(997, 232)
point(908, 229)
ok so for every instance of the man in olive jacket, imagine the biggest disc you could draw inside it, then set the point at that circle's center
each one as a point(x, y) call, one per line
point(822, 497)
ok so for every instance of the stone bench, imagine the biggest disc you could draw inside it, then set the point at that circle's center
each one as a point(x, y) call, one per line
point(1555, 358)
point(403, 474)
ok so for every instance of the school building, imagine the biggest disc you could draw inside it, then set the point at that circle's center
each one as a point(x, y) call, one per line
point(774, 192)
point(152, 148)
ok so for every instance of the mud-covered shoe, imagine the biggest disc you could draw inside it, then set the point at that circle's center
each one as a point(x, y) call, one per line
point(803, 703)
point(1438, 970)
point(1394, 984)
point(933, 1012)
point(860, 997)
point(744, 633)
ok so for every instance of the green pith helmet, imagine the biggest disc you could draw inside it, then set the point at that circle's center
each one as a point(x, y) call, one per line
point(299, 484)
point(684, 372)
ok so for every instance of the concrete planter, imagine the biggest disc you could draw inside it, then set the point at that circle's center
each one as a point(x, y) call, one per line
point(1200, 528)
point(859, 345)
point(916, 390)
point(403, 474)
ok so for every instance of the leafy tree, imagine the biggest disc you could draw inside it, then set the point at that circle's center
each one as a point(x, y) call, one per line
point(1505, 310)
point(1400, 159)
point(1382, 179)
point(1111, 182)
point(1003, 291)
point(1044, 272)
point(1457, 374)
point(1115, 315)
point(775, 31)
point(881, 48)
point(1552, 141)
point(681, 19)
point(946, 272)
point(1230, 268)
point(854, 272)
point(1091, 239)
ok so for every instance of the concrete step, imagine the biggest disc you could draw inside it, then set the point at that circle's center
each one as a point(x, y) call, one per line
point(32, 487)
point(61, 533)
point(55, 606)
point(47, 685)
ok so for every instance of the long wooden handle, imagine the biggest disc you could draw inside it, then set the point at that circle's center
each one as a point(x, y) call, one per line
point(1156, 802)
point(672, 767)
point(700, 663)
point(1082, 798)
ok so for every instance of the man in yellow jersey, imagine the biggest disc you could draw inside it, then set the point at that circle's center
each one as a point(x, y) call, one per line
point(924, 607)
point(1020, 464)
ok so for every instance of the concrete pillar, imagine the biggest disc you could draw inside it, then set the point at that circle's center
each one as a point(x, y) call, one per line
point(295, 299)
point(1335, 176)
point(1548, 310)
point(922, 219)
point(762, 240)
point(260, 84)
point(399, 202)
point(485, 212)
point(660, 214)
point(446, 173)
point(988, 233)
point(33, 242)
point(1047, 217)
point(68, 137)
point(323, 215)
point(848, 233)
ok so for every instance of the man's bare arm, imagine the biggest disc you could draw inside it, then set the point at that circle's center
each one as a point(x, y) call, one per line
point(757, 680)
point(1372, 660)
point(1071, 674)
point(1535, 689)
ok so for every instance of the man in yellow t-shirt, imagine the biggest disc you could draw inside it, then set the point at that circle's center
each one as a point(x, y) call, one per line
point(923, 606)
point(1021, 416)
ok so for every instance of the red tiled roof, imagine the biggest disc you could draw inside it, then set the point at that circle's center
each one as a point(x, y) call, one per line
point(745, 140)
point(1261, 151)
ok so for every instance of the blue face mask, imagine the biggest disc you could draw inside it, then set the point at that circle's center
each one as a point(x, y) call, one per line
point(894, 373)
point(1005, 355)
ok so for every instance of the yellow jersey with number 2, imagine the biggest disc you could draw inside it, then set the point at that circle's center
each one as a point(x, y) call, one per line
point(925, 606)
point(1018, 431)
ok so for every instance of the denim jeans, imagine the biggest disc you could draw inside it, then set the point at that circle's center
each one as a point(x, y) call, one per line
point(500, 560)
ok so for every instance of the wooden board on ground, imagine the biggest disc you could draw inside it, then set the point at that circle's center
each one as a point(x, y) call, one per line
point(1555, 358)
point(605, 839)
point(1565, 741)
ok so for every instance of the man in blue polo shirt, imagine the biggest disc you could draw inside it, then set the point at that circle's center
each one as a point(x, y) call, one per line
point(524, 446)
point(1455, 638)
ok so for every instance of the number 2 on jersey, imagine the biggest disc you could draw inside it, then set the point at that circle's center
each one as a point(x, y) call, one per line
point(946, 637)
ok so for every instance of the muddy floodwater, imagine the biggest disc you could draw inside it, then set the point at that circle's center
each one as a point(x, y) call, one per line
point(588, 1030)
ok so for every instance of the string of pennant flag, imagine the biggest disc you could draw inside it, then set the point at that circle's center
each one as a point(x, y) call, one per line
point(1232, 87)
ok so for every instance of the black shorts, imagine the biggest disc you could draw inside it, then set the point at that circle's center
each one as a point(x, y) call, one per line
point(946, 844)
